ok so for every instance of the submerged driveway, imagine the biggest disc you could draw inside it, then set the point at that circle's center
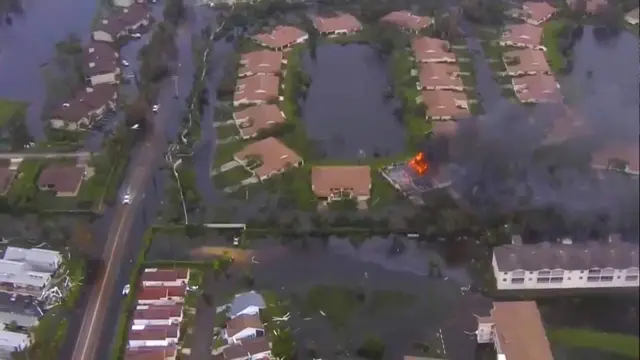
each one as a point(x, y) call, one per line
point(345, 109)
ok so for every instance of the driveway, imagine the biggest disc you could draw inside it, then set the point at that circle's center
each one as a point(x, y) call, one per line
point(202, 331)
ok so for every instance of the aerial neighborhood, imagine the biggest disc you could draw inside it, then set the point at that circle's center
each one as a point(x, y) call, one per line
point(224, 180)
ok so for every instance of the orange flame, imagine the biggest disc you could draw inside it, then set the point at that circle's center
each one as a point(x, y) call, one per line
point(419, 164)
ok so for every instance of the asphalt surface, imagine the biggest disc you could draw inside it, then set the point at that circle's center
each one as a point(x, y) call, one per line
point(202, 335)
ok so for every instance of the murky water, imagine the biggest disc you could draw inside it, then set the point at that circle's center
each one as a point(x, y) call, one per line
point(346, 109)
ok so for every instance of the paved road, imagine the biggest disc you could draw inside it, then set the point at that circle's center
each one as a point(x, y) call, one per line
point(44, 155)
point(142, 166)
point(202, 336)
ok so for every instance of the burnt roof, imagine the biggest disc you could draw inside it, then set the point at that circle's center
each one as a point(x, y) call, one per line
point(578, 256)
point(62, 178)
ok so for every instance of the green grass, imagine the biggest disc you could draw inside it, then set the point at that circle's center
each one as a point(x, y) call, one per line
point(224, 153)
point(231, 177)
point(226, 131)
point(551, 34)
point(381, 301)
point(11, 108)
point(620, 344)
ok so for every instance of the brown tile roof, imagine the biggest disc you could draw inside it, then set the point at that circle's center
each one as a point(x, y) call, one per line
point(430, 49)
point(539, 87)
point(439, 74)
point(134, 14)
point(526, 34)
point(261, 62)
point(325, 180)
point(153, 332)
point(246, 347)
point(99, 50)
point(166, 275)
point(340, 22)
point(150, 353)
point(628, 152)
point(258, 118)
point(257, 88)
point(526, 60)
point(275, 156)
point(444, 103)
point(89, 99)
point(241, 322)
point(407, 20)
point(62, 178)
point(6, 178)
point(100, 65)
point(538, 11)
point(161, 292)
point(111, 25)
point(157, 312)
point(280, 36)
point(520, 331)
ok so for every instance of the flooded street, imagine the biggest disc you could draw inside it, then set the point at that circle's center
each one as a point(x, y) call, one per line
point(29, 43)
point(346, 110)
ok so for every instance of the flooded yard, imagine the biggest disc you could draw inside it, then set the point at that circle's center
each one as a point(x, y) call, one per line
point(346, 110)
point(604, 82)
point(383, 287)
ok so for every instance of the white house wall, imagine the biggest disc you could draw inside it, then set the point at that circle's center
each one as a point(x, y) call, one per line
point(565, 279)
point(102, 36)
point(109, 78)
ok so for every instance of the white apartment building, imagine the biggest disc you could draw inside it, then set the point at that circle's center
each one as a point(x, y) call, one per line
point(27, 271)
point(12, 341)
point(516, 331)
point(565, 265)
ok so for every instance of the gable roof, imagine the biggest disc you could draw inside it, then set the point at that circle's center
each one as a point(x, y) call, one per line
point(257, 88)
point(259, 117)
point(241, 322)
point(261, 62)
point(445, 103)
point(275, 156)
point(342, 21)
point(439, 74)
point(62, 178)
point(520, 331)
point(427, 48)
point(280, 36)
point(526, 60)
point(407, 20)
point(522, 34)
point(245, 300)
point(164, 275)
point(247, 347)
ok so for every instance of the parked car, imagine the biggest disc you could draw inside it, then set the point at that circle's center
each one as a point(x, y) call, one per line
point(136, 35)
point(125, 62)
point(155, 108)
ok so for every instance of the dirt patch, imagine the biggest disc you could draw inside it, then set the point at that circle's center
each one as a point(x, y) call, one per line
point(238, 255)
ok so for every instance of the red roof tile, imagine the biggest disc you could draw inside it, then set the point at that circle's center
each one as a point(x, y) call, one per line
point(326, 180)
point(274, 156)
point(526, 34)
point(341, 22)
point(164, 275)
point(161, 292)
point(259, 117)
point(431, 49)
point(157, 312)
point(257, 88)
point(261, 62)
point(537, 88)
point(153, 332)
point(407, 20)
point(443, 103)
point(281, 36)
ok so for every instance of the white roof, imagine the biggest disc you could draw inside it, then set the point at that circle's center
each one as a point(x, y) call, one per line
point(32, 255)
point(20, 273)
point(14, 340)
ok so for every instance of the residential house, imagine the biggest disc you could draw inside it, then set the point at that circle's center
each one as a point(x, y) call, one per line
point(151, 353)
point(38, 259)
point(161, 295)
point(537, 88)
point(88, 105)
point(565, 265)
point(62, 180)
point(249, 349)
point(618, 156)
point(263, 62)
point(590, 7)
point(165, 277)
point(6, 179)
point(19, 309)
point(97, 50)
point(522, 36)
point(281, 37)
point(243, 327)
point(432, 50)
point(447, 128)
point(331, 183)
point(445, 105)
point(340, 24)
point(102, 70)
point(248, 303)
point(121, 23)
point(516, 331)
point(632, 16)
point(267, 157)
point(256, 89)
point(12, 341)
point(440, 76)
point(534, 12)
point(153, 335)
point(526, 62)
point(251, 120)
point(407, 21)
point(158, 314)
point(127, 3)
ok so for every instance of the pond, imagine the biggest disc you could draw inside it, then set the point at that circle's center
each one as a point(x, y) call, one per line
point(345, 109)
point(604, 82)
point(382, 287)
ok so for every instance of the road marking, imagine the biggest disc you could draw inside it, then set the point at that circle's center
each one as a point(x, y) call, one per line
point(124, 220)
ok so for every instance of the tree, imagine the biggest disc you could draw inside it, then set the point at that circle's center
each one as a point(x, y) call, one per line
point(283, 346)
point(372, 349)
point(174, 11)
point(446, 25)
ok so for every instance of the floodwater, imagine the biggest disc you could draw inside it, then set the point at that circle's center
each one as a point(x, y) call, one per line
point(374, 265)
point(29, 43)
point(345, 109)
point(604, 82)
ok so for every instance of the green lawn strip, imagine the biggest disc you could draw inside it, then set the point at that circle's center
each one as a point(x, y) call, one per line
point(11, 108)
point(231, 177)
point(620, 344)
point(227, 131)
point(552, 31)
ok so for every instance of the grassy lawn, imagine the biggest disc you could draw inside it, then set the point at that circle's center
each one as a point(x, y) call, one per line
point(552, 31)
point(11, 108)
point(224, 153)
point(226, 131)
point(231, 177)
point(620, 344)
point(382, 192)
